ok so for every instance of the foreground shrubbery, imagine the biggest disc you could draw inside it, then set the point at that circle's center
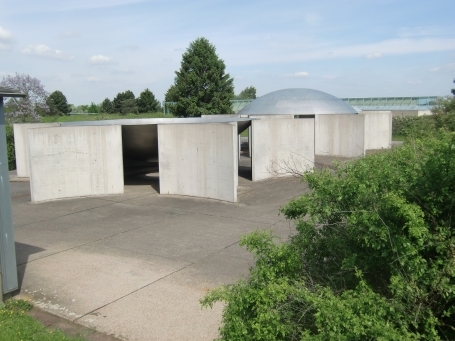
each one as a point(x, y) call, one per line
point(373, 258)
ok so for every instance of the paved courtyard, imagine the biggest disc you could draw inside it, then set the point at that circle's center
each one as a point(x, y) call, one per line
point(135, 265)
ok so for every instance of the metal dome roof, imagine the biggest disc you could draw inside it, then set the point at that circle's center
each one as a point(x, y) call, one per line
point(297, 102)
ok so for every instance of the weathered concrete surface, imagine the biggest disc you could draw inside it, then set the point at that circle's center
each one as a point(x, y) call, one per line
point(68, 162)
point(340, 135)
point(378, 130)
point(199, 160)
point(271, 117)
point(402, 113)
point(281, 146)
point(135, 265)
point(21, 146)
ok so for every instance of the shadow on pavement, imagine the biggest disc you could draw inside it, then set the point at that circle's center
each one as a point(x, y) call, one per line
point(23, 252)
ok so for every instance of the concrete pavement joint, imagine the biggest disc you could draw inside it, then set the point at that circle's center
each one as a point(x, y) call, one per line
point(155, 281)
point(66, 215)
point(93, 241)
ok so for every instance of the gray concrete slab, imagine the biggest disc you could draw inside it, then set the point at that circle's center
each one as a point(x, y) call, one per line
point(136, 265)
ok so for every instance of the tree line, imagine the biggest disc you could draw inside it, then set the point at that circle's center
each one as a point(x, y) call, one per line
point(125, 103)
point(38, 102)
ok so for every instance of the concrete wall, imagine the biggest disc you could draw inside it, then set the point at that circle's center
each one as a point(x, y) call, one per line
point(273, 117)
point(219, 116)
point(402, 113)
point(67, 162)
point(340, 135)
point(199, 160)
point(378, 130)
point(21, 146)
point(278, 144)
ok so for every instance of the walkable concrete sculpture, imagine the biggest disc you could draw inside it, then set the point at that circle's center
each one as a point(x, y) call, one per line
point(195, 156)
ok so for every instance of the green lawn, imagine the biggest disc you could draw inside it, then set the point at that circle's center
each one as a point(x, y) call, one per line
point(16, 325)
point(95, 117)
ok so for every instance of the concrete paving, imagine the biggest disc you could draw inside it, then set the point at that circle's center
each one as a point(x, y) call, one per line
point(136, 265)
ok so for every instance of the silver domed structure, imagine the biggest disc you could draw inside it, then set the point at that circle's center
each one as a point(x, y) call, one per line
point(297, 102)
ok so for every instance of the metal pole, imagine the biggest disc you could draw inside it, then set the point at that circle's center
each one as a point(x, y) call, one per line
point(7, 247)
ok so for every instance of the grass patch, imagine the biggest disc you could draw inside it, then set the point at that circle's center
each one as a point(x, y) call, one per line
point(16, 325)
point(244, 133)
point(97, 117)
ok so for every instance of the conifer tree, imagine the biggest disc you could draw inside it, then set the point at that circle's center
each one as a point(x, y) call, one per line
point(201, 85)
point(147, 102)
point(57, 103)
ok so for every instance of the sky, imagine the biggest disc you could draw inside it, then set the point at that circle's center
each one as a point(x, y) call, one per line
point(93, 49)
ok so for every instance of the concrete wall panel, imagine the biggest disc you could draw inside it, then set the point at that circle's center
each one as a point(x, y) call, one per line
point(340, 135)
point(378, 130)
point(403, 113)
point(68, 162)
point(199, 160)
point(21, 146)
point(271, 117)
point(278, 144)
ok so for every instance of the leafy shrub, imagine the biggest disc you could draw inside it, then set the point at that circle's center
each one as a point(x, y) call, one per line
point(413, 126)
point(417, 127)
point(373, 257)
point(10, 147)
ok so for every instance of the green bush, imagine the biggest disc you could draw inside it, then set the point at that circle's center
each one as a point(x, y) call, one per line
point(373, 257)
point(10, 147)
point(413, 126)
point(443, 117)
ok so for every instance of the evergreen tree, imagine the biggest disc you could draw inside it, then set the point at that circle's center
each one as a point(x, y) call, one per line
point(171, 94)
point(129, 106)
point(146, 102)
point(247, 93)
point(122, 96)
point(202, 87)
point(107, 106)
point(57, 103)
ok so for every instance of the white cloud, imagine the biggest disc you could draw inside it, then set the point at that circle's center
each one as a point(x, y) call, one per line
point(46, 52)
point(93, 79)
point(301, 74)
point(419, 31)
point(374, 55)
point(6, 39)
point(57, 6)
point(100, 59)
point(446, 68)
point(318, 51)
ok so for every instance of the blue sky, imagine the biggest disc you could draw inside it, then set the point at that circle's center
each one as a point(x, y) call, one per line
point(91, 50)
